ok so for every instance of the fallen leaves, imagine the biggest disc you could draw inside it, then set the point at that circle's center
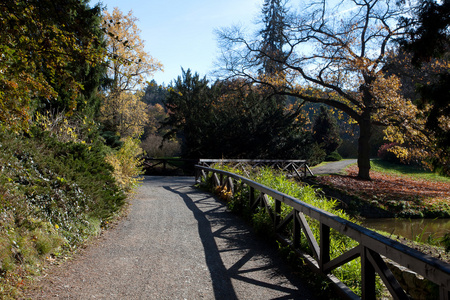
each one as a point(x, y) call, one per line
point(403, 195)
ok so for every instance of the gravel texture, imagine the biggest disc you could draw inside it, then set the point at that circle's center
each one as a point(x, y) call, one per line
point(176, 242)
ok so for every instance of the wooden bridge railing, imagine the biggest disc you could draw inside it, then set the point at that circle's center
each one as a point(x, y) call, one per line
point(186, 166)
point(372, 248)
point(293, 168)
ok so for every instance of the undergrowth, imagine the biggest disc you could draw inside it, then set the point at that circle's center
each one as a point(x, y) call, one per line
point(53, 195)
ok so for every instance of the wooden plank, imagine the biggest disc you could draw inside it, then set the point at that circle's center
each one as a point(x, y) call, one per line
point(386, 275)
point(324, 254)
point(342, 259)
point(283, 223)
point(268, 207)
point(309, 235)
point(367, 277)
point(297, 229)
point(425, 265)
point(277, 213)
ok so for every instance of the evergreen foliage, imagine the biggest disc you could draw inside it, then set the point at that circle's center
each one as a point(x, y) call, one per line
point(273, 36)
point(51, 58)
point(232, 119)
point(429, 39)
point(53, 195)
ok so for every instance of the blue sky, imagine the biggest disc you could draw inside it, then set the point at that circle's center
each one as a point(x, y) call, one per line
point(180, 33)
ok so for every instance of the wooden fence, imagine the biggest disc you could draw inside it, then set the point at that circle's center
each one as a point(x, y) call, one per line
point(169, 165)
point(292, 168)
point(373, 248)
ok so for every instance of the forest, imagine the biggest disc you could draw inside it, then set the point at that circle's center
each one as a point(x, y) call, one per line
point(79, 110)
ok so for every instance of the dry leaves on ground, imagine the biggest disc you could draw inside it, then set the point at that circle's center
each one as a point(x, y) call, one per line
point(402, 195)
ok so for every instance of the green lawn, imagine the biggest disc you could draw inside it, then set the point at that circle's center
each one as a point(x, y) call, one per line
point(406, 170)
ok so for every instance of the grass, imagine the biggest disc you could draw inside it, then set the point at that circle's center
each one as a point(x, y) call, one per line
point(406, 170)
point(400, 191)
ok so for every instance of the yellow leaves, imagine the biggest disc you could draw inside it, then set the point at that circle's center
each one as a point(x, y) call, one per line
point(444, 123)
point(128, 62)
point(124, 113)
point(126, 163)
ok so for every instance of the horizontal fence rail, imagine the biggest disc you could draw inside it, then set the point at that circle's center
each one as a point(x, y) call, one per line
point(184, 165)
point(293, 168)
point(373, 248)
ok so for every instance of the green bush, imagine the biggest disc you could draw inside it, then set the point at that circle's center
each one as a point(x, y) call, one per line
point(333, 156)
point(127, 164)
point(316, 155)
point(53, 195)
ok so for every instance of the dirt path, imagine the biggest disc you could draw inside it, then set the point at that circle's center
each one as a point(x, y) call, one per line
point(176, 243)
point(333, 167)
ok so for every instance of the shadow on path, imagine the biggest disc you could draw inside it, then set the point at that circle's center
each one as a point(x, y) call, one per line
point(234, 255)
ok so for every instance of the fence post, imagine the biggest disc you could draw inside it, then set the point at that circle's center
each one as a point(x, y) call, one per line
point(297, 230)
point(252, 196)
point(277, 218)
point(324, 254)
point(367, 276)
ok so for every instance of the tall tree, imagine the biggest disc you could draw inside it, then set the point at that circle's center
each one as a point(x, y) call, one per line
point(334, 55)
point(125, 115)
point(189, 105)
point(232, 119)
point(273, 36)
point(429, 43)
point(128, 63)
point(128, 68)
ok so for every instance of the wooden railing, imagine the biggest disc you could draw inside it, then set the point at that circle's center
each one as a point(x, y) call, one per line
point(292, 168)
point(373, 248)
point(164, 165)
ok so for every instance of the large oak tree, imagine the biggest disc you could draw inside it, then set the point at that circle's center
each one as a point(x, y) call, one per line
point(334, 54)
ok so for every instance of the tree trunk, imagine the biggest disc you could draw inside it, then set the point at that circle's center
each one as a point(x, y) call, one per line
point(365, 129)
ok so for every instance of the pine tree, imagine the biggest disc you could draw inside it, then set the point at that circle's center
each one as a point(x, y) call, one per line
point(273, 39)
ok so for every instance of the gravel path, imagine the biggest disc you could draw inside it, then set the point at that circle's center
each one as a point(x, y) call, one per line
point(176, 243)
point(333, 167)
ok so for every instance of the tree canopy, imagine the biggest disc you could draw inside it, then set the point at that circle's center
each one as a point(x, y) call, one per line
point(129, 66)
point(334, 54)
point(231, 119)
point(47, 49)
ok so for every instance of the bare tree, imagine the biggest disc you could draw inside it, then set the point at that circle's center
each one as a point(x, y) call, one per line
point(334, 54)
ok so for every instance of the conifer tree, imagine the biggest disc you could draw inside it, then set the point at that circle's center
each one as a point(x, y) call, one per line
point(273, 39)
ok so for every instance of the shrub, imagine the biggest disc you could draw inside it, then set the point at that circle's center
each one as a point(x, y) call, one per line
point(316, 155)
point(333, 156)
point(53, 195)
point(385, 154)
point(154, 146)
point(127, 164)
